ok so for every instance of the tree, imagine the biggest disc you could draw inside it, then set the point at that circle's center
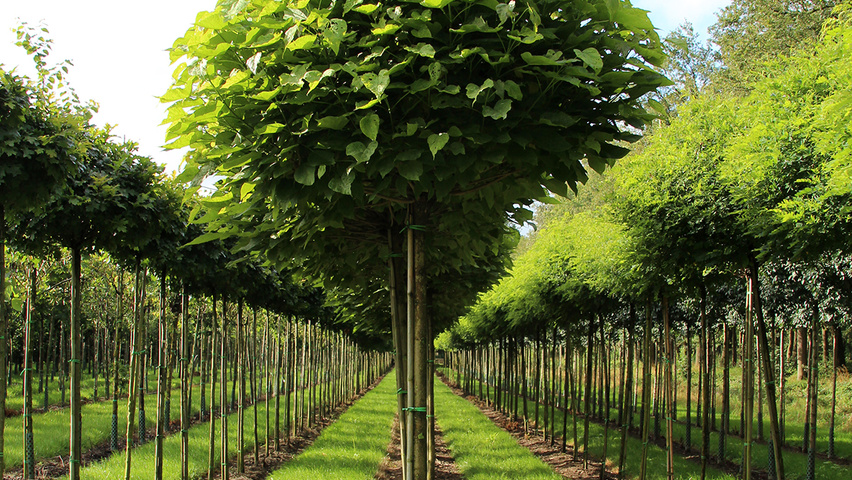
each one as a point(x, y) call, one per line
point(36, 152)
point(314, 112)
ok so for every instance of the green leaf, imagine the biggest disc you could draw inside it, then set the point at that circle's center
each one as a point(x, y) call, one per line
point(437, 142)
point(332, 122)
point(360, 152)
point(376, 83)
point(305, 174)
point(269, 128)
point(540, 60)
point(302, 43)
point(246, 190)
point(435, 3)
point(410, 170)
point(513, 89)
point(590, 57)
point(370, 126)
point(366, 8)
point(211, 20)
point(423, 49)
point(207, 237)
point(473, 90)
point(500, 110)
point(342, 184)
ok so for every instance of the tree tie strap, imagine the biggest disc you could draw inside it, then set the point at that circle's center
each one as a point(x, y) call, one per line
point(415, 409)
point(26, 370)
point(73, 460)
point(400, 391)
point(74, 360)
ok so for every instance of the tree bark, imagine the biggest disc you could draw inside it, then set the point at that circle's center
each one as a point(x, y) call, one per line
point(29, 457)
point(769, 373)
point(646, 391)
point(185, 383)
point(802, 352)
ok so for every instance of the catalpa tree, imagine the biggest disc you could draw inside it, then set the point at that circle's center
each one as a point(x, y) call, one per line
point(316, 113)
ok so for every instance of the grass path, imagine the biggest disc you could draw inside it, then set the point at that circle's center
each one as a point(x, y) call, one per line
point(50, 429)
point(354, 445)
point(481, 449)
point(656, 470)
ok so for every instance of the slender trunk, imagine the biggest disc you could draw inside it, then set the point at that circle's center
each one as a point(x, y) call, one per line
point(76, 372)
point(223, 400)
point(646, 391)
point(27, 414)
point(185, 383)
point(605, 358)
point(161, 381)
point(813, 379)
point(211, 437)
point(801, 352)
point(421, 337)
point(748, 384)
point(116, 359)
point(670, 413)
point(777, 463)
point(628, 388)
point(241, 375)
point(705, 383)
point(834, 365)
point(3, 334)
point(136, 346)
point(254, 389)
point(587, 396)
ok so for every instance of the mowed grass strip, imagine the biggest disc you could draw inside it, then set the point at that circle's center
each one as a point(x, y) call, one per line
point(656, 466)
point(481, 449)
point(354, 445)
point(142, 466)
point(50, 430)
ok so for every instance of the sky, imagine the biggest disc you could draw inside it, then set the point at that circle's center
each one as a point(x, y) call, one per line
point(120, 57)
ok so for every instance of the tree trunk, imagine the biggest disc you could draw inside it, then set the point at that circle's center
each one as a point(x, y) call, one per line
point(627, 410)
point(119, 315)
point(419, 331)
point(223, 400)
point(802, 352)
point(769, 373)
point(834, 365)
point(668, 389)
point(813, 379)
point(29, 457)
point(3, 333)
point(161, 381)
point(185, 383)
point(136, 346)
point(748, 384)
point(705, 383)
point(646, 391)
point(241, 375)
point(211, 437)
point(587, 403)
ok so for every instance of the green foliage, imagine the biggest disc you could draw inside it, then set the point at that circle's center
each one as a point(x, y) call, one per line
point(751, 32)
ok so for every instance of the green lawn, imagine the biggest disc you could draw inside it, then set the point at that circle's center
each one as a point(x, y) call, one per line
point(481, 449)
point(354, 445)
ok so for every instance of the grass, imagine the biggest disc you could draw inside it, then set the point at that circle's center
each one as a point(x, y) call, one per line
point(795, 464)
point(354, 445)
point(656, 467)
point(481, 449)
point(50, 430)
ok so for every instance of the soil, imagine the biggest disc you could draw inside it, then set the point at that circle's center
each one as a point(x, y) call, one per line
point(445, 465)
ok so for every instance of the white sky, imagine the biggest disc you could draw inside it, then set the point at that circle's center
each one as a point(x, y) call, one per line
point(120, 58)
